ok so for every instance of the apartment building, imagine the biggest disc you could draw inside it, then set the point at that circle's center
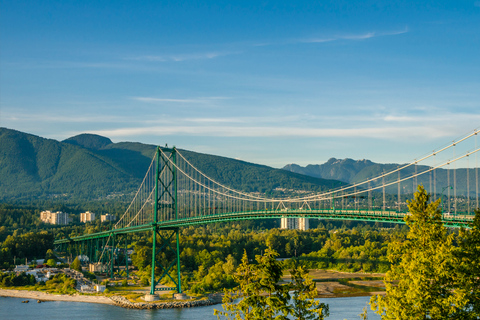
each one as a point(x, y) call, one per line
point(294, 223)
point(87, 216)
point(54, 217)
point(107, 217)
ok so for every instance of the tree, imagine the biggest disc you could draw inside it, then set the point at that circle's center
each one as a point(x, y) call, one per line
point(142, 257)
point(50, 255)
point(304, 291)
point(261, 295)
point(76, 265)
point(467, 262)
point(420, 282)
point(229, 265)
point(51, 262)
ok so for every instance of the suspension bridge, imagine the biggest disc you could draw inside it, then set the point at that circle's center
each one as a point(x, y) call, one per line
point(175, 194)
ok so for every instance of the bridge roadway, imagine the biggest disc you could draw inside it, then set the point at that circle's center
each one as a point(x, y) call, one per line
point(390, 216)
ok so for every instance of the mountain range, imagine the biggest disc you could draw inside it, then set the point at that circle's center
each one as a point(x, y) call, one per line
point(89, 166)
point(353, 171)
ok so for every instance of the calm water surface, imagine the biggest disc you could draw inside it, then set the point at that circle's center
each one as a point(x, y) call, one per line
point(12, 308)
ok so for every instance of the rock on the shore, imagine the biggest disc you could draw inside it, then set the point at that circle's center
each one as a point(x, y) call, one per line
point(125, 303)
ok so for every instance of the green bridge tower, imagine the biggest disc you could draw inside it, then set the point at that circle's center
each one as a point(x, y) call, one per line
point(166, 208)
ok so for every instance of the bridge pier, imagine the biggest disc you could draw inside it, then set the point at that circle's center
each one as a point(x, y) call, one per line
point(151, 297)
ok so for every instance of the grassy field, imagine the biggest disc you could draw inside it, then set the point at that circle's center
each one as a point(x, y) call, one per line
point(332, 283)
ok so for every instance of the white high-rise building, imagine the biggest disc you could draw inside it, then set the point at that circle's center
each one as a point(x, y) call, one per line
point(294, 223)
point(54, 217)
point(107, 217)
point(302, 224)
point(87, 216)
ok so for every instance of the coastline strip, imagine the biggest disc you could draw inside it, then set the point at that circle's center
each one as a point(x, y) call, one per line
point(43, 296)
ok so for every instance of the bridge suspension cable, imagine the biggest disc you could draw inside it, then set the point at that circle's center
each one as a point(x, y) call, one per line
point(194, 194)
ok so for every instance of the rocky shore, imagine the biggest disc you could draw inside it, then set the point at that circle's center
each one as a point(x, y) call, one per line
point(113, 300)
point(125, 303)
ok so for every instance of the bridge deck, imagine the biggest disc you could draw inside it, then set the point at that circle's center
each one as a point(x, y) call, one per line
point(389, 216)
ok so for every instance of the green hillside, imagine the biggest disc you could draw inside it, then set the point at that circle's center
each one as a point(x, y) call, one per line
point(31, 166)
point(89, 166)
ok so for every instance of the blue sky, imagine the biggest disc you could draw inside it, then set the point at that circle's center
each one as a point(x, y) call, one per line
point(271, 82)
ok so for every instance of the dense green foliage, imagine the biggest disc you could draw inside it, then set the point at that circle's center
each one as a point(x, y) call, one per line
point(59, 283)
point(260, 294)
point(62, 283)
point(15, 217)
point(29, 245)
point(467, 267)
point(209, 255)
point(430, 277)
point(13, 280)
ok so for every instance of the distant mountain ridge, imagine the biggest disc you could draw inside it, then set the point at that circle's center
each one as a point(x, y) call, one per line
point(354, 171)
point(89, 141)
point(90, 166)
point(342, 169)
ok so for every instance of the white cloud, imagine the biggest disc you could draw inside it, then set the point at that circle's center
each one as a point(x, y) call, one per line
point(59, 119)
point(216, 120)
point(180, 57)
point(175, 100)
point(361, 36)
point(282, 132)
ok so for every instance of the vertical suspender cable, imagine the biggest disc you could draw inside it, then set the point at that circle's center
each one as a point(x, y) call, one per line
point(413, 180)
point(355, 197)
point(430, 177)
point(383, 185)
point(448, 186)
point(454, 181)
point(476, 172)
point(416, 177)
point(398, 187)
point(468, 185)
point(434, 177)
point(369, 197)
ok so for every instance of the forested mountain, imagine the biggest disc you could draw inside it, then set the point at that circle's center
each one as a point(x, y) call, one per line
point(89, 166)
point(353, 171)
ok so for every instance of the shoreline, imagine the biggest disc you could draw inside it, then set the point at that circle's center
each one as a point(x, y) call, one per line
point(43, 296)
point(118, 301)
point(122, 302)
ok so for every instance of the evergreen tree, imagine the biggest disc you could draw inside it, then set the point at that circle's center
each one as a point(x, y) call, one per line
point(467, 262)
point(76, 265)
point(304, 292)
point(420, 282)
point(261, 295)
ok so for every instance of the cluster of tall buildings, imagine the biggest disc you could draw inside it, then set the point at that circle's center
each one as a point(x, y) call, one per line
point(63, 219)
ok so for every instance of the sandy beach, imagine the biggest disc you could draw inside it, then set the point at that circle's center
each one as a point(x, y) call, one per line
point(37, 295)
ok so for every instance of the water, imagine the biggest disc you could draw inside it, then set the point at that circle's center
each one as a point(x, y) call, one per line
point(13, 308)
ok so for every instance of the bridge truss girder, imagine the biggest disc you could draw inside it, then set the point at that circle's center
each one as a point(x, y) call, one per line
point(103, 250)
